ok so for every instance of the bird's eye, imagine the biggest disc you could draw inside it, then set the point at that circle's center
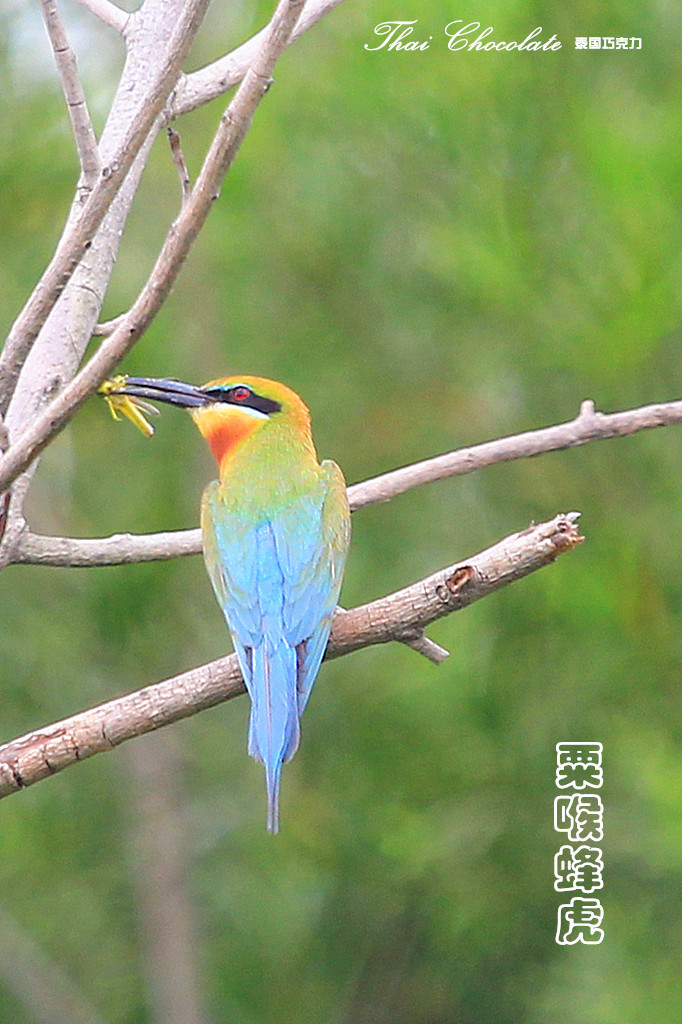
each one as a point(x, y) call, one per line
point(240, 393)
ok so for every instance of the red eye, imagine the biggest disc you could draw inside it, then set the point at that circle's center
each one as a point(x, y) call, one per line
point(240, 394)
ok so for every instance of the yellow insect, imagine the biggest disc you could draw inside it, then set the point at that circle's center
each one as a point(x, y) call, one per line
point(133, 409)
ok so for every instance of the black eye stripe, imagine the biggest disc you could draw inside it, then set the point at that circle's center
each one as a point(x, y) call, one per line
point(251, 400)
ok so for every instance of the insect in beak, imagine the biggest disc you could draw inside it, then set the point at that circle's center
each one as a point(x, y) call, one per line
point(134, 409)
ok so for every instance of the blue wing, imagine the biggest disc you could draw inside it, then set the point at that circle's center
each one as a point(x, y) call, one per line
point(277, 580)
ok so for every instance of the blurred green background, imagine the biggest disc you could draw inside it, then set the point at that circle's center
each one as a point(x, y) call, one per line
point(434, 249)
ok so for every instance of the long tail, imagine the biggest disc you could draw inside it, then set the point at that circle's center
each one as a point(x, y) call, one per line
point(274, 730)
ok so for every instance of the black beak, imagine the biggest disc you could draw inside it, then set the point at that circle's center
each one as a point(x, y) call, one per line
point(160, 389)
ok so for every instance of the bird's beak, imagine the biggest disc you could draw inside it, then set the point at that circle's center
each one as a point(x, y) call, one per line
point(160, 389)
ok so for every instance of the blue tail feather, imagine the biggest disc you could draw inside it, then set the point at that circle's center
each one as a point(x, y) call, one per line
point(274, 730)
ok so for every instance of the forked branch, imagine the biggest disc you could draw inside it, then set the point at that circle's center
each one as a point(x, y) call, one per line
point(234, 124)
point(85, 223)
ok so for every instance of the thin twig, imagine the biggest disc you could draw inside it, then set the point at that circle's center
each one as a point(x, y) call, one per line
point(217, 78)
point(398, 616)
point(109, 13)
point(82, 228)
point(422, 644)
point(83, 132)
point(108, 327)
point(234, 124)
point(179, 161)
point(587, 426)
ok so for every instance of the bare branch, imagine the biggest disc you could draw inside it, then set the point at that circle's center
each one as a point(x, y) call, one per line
point(234, 124)
point(82, 228)
point(83, 132)
point(109, 13)
point(179, 161)
point(429, 648)
point(587, 426)
point(399, 616)
point(57, 350)
point(119, 549)
point(108, 327)
point(222, 75)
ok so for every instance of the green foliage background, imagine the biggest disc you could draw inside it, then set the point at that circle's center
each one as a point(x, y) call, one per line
point(434, 249)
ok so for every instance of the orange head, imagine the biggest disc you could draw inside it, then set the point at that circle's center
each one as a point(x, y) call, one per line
point(240, 407)
point(230, 410)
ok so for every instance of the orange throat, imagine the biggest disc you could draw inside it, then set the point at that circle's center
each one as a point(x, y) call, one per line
point(224, 429)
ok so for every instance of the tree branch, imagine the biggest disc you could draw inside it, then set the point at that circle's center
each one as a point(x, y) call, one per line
point(179, 161)
point(118, 549)
point(217, 78)
point(400, 616)
point(33, 549)
point(234, 124)
point(83, 132)
point(587, 426)
point(108, 327)
point(108, 13)
point(82, 228)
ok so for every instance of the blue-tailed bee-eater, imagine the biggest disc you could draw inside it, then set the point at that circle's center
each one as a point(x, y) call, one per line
point(276, 529)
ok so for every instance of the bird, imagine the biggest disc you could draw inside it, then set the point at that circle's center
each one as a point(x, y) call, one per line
point(276, 531)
